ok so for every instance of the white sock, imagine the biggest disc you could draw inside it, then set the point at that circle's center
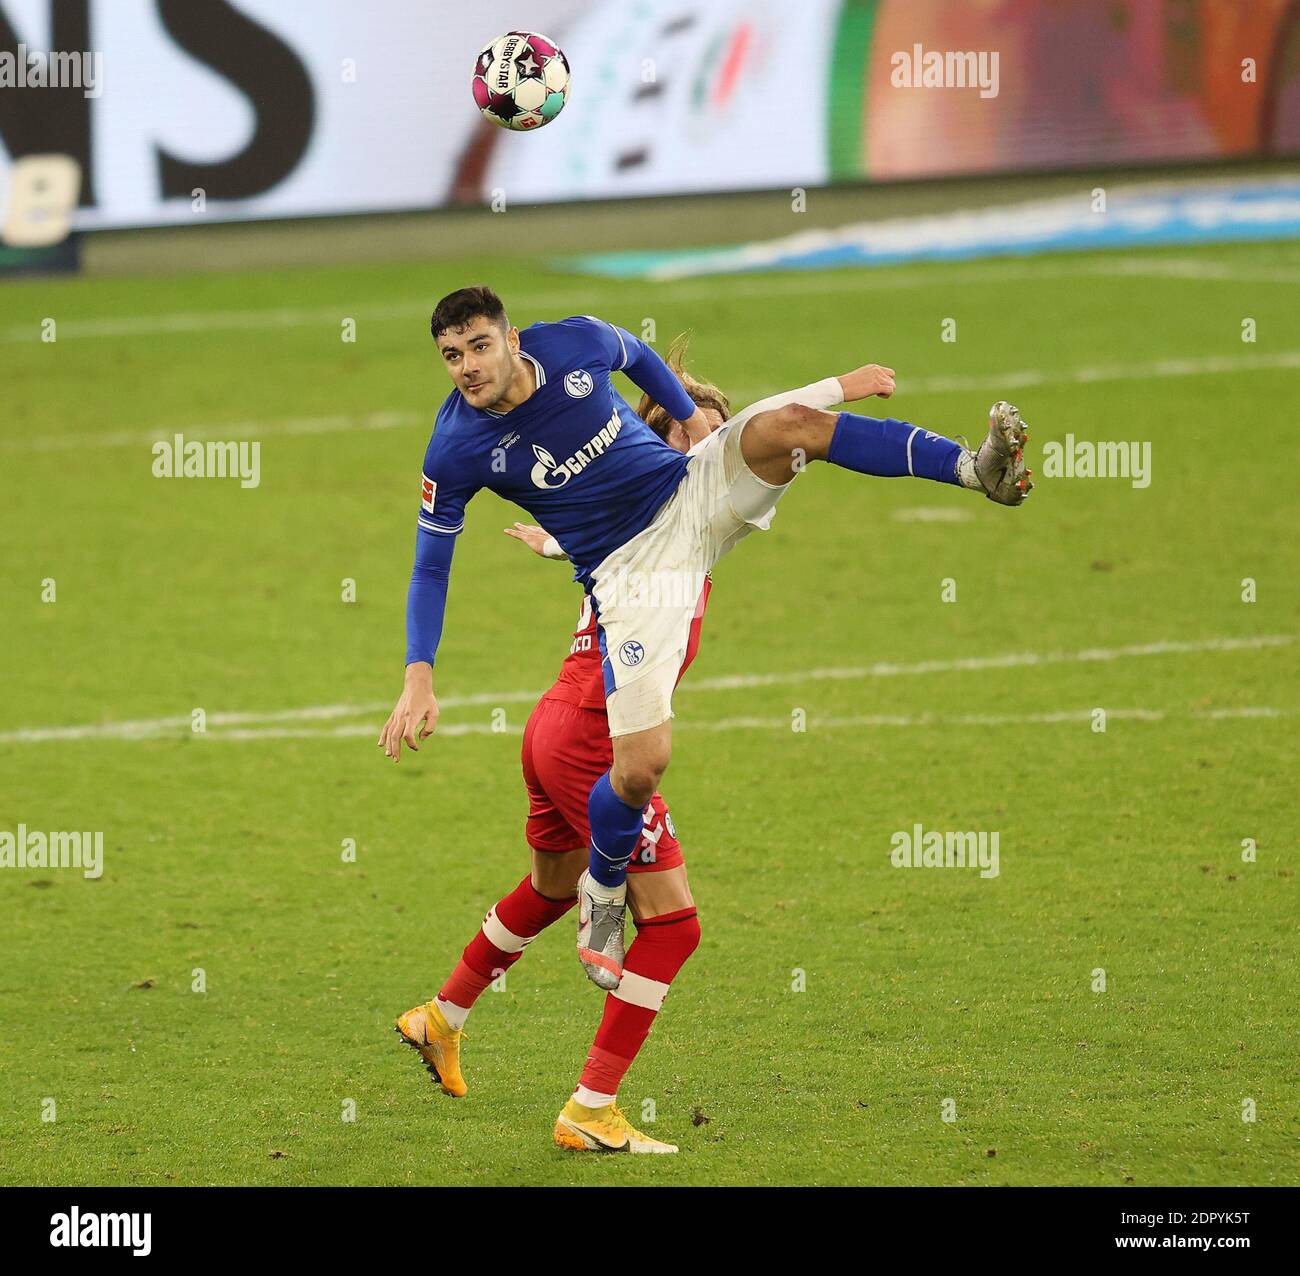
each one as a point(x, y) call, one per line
point(966, 475)
point(602, 893)
point(455, 1015)
point(592, 1098)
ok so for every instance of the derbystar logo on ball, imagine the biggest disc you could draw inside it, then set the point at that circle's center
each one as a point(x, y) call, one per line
point(521, 80)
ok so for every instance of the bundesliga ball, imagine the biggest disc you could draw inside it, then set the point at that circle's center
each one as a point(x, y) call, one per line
point(521, 80)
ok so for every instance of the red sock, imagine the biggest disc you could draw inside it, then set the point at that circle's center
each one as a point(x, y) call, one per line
point(510, 926)
point(659, 951)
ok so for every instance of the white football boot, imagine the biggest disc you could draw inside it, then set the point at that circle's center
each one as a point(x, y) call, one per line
point(998, 467)
point(600, 931)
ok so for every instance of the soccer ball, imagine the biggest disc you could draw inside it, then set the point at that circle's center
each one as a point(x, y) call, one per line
point(521, 80)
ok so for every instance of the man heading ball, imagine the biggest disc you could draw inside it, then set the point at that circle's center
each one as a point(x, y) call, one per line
point(535, 418)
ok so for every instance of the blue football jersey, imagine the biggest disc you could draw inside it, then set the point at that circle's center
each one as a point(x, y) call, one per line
point(573, 454)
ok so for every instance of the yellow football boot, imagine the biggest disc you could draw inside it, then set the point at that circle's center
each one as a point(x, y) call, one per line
point(426, 1029)
point(602, 1130)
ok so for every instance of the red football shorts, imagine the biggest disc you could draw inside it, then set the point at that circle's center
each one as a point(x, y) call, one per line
point(566, 750)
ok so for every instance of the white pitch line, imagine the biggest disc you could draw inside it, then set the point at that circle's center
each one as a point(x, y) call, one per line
point(1010, 660)
point(309, 425)
point(349, 729)
point(1244, 713)
point(1193, 269)
point(156, 728)
point(930, 720)
point(1016, 379)
point(791, 283)
point(1155, 369)
point(854, 721)
point(932, 514)
point(184, 322)
point(217, 321)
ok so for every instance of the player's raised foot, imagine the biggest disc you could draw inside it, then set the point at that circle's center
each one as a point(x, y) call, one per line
point(998, 466)
point(604, 1129)
point(426, 1029)
point(600, 931)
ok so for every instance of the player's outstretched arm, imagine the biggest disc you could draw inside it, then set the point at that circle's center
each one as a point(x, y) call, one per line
point(866, 381)
point(415, 715)
point(861, 383)
point(649, 372)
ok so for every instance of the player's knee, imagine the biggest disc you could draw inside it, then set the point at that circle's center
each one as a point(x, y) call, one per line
point(637, 785)
point(690, 935)
point(555, 876)
point(675, 938)
point(636, 780)
point(799, 420)
point(795, 430)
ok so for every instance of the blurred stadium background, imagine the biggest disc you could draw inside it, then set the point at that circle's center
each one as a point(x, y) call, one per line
point(283, 111)
point(247, 178)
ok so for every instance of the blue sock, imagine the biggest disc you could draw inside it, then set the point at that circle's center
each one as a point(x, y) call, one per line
point(890, 449)
point(615, 833)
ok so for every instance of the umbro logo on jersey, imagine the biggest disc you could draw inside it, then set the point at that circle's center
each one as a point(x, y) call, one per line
point(579, 384)
point(549, 473)
point(508, 440)
point(427, 489)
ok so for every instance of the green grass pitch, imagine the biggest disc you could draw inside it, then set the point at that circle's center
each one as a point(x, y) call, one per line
point(1119, 850)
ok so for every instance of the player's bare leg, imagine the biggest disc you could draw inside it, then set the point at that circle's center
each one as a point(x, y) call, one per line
point(667, 933)
point(777, 445)
point(436, 1028)
point(640, 760)
point(556, 876)
point(774, 445)
point(653, 895)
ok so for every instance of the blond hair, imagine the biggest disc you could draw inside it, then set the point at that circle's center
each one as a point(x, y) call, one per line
point(704, 394)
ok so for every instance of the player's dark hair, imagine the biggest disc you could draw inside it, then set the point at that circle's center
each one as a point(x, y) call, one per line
point(704, 394)
point(458, 308)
